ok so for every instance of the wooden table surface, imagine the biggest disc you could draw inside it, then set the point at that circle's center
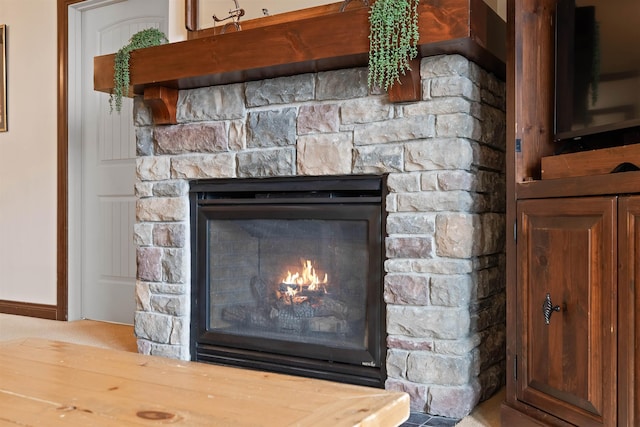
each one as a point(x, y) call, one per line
point(51, 383)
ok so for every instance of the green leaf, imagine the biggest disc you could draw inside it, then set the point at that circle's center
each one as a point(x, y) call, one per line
point(393, 40)
point(121, 78)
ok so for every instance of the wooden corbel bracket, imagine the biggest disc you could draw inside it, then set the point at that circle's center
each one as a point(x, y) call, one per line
point(163, 102)
point(409, 88)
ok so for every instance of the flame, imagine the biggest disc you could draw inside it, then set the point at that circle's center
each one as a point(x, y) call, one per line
point(308, 278)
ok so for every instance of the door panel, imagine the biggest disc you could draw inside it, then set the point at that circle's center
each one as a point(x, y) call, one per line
point(566, 249)
point(108, 166)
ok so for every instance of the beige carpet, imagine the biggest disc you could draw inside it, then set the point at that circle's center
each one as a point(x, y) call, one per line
point(88, 332)
point(487, 414)
point(121, 337)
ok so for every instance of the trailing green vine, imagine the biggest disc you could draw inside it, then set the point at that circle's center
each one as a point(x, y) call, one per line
point(393, 40)
point(145, 38)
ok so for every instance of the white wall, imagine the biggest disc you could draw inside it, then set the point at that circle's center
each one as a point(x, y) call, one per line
point(253, 8)
point(499, 6)
point(177, 30)
point(28, 154)
point(28, 151)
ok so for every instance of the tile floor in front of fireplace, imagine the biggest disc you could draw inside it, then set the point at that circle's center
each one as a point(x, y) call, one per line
point(419, 419)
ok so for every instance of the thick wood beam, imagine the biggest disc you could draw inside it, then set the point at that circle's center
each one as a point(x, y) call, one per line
point(319, 43)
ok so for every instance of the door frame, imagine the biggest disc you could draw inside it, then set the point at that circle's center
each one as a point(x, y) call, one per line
point(69, 116)
point(62, 281)
point(69, 267)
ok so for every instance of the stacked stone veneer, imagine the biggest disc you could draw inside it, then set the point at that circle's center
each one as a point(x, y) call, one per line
point(444, 282)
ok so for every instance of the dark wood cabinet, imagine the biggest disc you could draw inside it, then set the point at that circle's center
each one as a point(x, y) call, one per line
point(574, 345)
point(576, 239)
point(566, 331)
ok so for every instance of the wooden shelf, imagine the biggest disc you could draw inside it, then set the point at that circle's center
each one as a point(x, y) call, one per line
point(588, 163)
point(595, 185)
point(320, 43)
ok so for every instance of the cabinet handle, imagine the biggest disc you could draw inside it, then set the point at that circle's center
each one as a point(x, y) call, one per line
point(548, 309)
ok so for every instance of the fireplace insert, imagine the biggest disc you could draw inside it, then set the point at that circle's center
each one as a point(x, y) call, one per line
point(287, 275)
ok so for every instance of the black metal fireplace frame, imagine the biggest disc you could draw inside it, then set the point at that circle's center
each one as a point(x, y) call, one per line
point(300, 197)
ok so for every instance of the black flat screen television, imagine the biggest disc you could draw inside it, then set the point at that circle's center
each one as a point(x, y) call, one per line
point(597, 81)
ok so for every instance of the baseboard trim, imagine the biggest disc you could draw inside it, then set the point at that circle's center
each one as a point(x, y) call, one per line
point(42, 311)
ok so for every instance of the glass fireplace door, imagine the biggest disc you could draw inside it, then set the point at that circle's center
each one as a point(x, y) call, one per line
point(294, 283)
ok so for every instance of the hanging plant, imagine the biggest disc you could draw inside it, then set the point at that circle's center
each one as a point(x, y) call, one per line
point(145, 38)
point(393, 40)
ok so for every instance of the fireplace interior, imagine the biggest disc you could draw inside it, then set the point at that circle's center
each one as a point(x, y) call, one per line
point(287, 275)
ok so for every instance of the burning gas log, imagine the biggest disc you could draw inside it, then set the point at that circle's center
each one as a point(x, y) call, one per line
point(299, 287)
point(308, 278)
point(297, 294)
point(300, 302)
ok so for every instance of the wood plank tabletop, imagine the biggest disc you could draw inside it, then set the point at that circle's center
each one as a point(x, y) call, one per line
point(51, 383)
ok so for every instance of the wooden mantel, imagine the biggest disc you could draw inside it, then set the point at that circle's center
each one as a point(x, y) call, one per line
point(320, 43)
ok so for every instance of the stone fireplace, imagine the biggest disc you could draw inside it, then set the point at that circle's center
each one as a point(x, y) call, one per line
point(443, 157)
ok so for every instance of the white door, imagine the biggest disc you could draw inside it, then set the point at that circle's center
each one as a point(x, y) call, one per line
point(108, 258)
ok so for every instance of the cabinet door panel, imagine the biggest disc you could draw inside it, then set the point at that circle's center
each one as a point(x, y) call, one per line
point(628, 309)
point(566, 249)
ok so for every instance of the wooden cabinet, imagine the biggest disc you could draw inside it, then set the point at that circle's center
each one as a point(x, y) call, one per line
point(576, 239)
point(566, 332)
point(574, 357)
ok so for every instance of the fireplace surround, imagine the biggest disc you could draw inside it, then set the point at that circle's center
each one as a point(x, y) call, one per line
point(443, 274)
point(253, 304)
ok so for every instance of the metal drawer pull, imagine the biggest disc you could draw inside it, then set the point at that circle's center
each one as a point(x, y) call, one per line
point(548, 309)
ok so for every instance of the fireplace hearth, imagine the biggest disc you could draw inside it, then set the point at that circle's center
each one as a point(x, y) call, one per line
point(287, 275)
